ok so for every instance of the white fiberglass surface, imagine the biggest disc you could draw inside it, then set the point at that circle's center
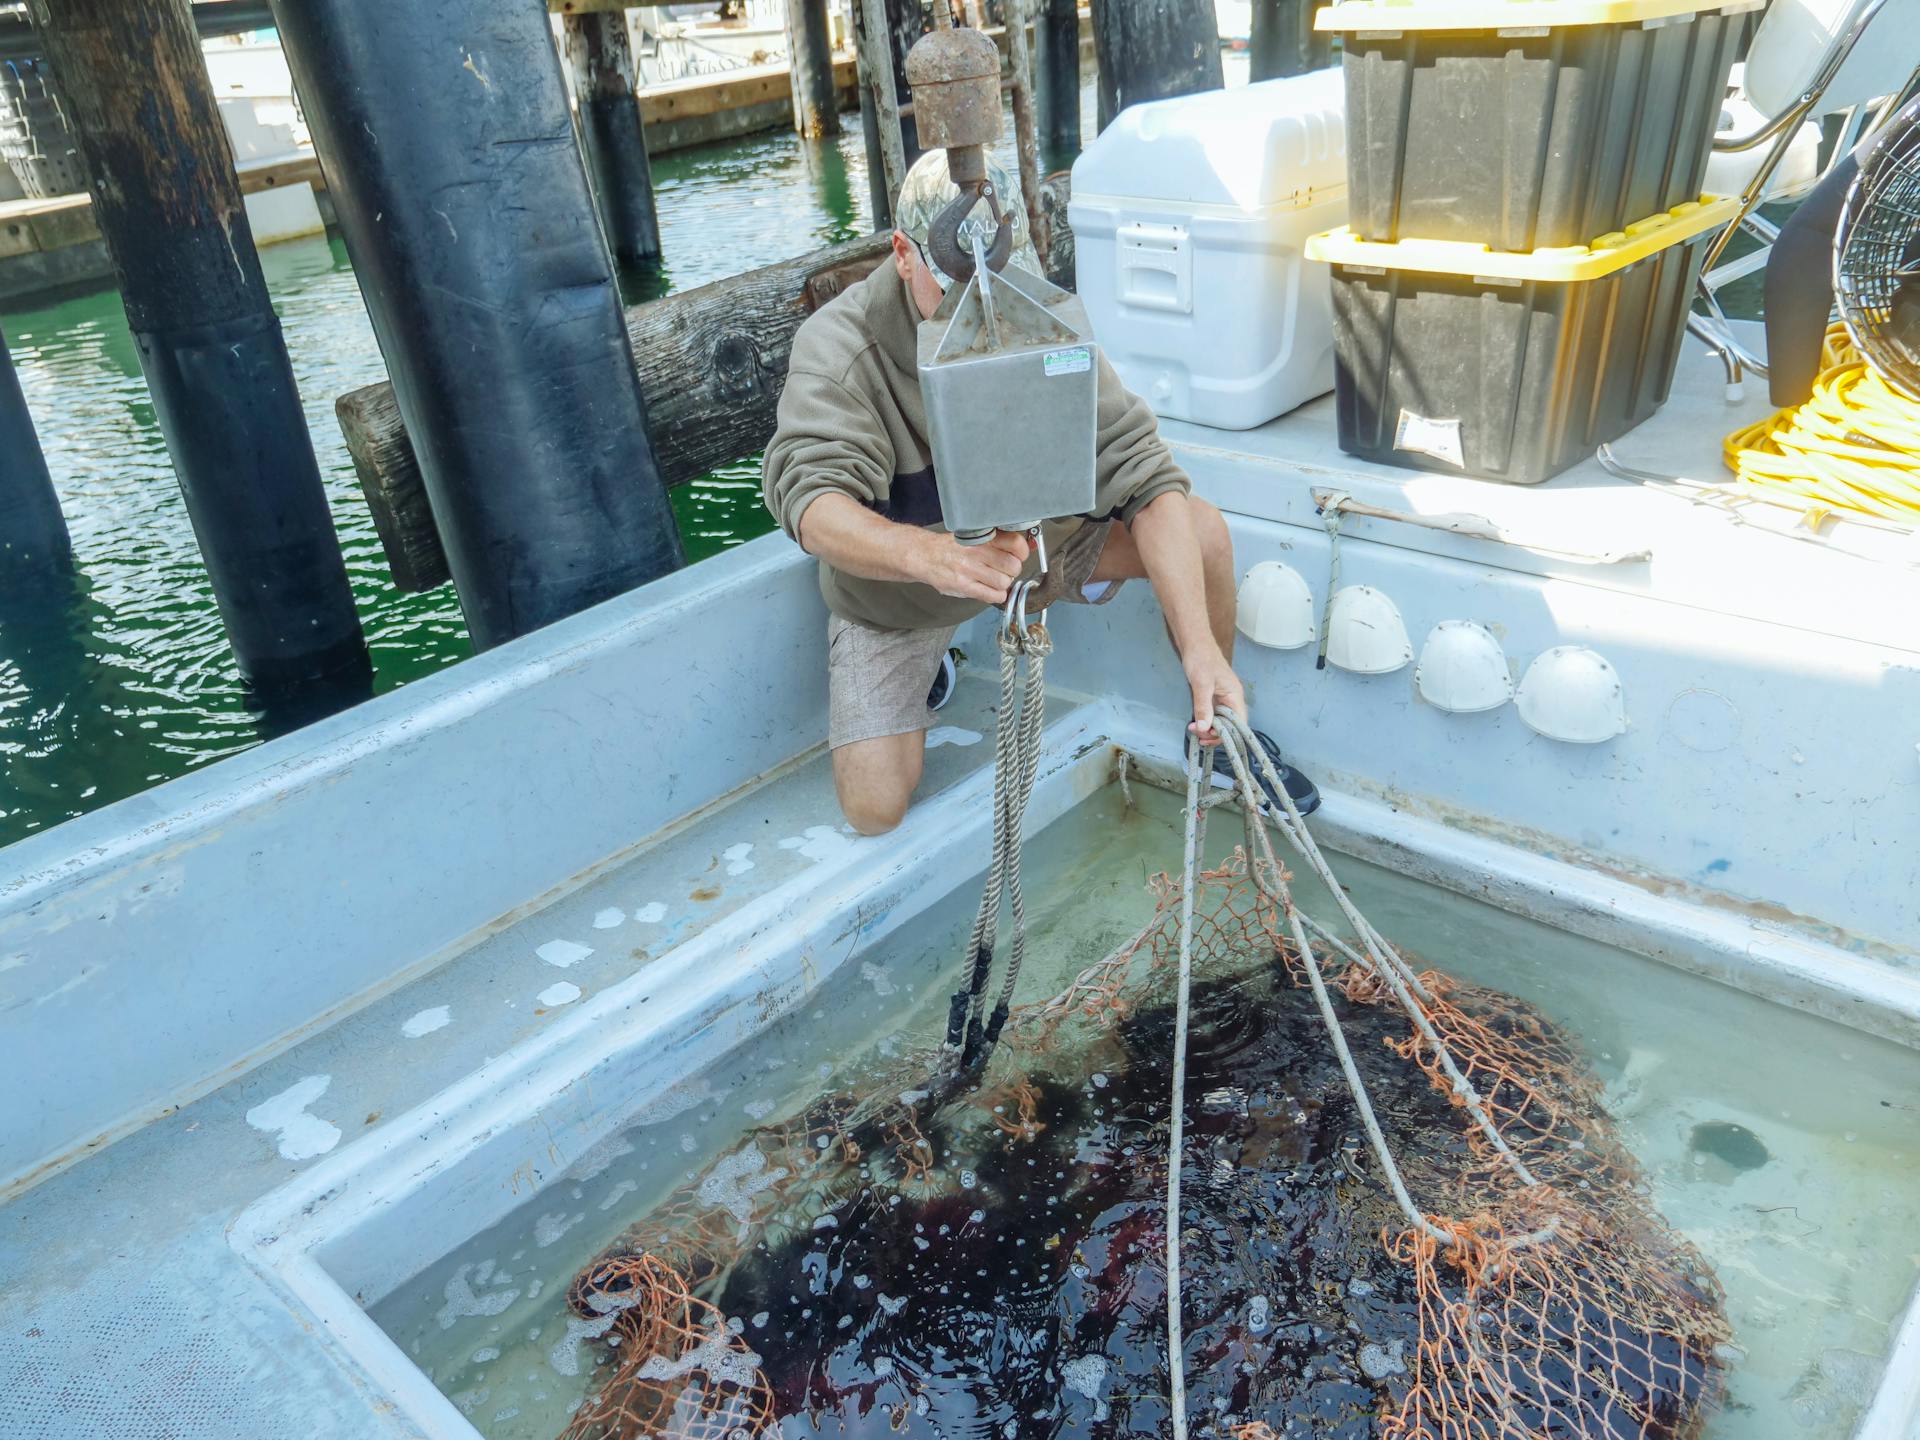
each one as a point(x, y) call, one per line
point(1782, 1145)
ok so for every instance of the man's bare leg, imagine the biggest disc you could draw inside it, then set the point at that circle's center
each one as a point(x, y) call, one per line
point(875, 779)
point(1120, 560)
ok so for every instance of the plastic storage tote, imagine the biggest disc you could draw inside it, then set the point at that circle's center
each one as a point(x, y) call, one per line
point(1509, 367)
point(1190, 220)
point(1519, 124)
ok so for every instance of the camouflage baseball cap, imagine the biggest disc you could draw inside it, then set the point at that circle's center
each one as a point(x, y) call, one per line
point(927, 190)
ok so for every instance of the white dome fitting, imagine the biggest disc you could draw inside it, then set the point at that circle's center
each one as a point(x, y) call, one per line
point(1365, 633)
point(1462, 669)
point(1276, 607)
point(1574, 694)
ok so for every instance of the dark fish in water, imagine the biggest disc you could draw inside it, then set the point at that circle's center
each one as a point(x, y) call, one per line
point(1017, 1287)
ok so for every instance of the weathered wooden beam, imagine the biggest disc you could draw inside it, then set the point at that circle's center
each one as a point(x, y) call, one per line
point(712, 362)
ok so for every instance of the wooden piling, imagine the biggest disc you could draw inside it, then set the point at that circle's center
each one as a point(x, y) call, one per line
point(880, 97)
point(1153, 49)
point(449, 150)
point(879, 202)
point(168, 204)
point(1284, 41)
point(33, 533)
point(1056, 34)
point(612, 137)
point(816, 107)
point(1025, 139)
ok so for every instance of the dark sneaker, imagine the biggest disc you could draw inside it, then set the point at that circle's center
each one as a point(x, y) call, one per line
point(943, 679)
point(1302, 791)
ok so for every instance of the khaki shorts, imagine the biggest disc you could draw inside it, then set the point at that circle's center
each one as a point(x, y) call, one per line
point(877, 680)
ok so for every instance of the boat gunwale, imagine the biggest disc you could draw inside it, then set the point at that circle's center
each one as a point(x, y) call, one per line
point(289, 1233)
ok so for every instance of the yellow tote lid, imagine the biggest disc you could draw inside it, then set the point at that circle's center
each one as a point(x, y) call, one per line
point(1390, 15)
point(1559, 263)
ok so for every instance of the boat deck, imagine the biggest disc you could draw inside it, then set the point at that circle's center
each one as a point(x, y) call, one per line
point(1692, 537)
point(127, 1312)
point(406, 910)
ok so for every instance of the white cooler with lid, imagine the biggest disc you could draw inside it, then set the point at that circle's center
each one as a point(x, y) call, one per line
point(1190, 217)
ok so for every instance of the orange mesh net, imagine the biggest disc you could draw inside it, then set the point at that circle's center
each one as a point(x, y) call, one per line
point(677, 1367)
point(1560, 1308)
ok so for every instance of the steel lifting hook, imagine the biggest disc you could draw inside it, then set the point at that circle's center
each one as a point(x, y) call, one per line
point(943, 235)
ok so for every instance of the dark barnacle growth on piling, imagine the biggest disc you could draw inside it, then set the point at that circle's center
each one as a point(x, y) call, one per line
point(994, 1266)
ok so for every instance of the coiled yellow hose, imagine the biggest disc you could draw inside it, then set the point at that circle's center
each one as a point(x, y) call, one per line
point(1854, 445)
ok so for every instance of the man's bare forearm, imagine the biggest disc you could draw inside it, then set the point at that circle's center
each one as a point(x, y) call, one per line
point(853, 539)
point(848, 536)
point(1170, 553)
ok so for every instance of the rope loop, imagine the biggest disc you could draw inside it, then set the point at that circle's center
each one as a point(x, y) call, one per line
point(1024, 648)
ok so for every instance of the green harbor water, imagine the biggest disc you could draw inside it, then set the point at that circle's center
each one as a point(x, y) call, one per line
point(128, 680)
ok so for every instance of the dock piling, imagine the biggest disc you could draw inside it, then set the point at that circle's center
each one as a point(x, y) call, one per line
point(816, 102)
point(878, 201)
point(880, 118)
point(715, 358)
point(450, 154)
point(1026, 142)
point(168, 204)
point(612, 136)
point(1154, 49)
point(1056, 37)
point(1284, 42)
point(33, 533)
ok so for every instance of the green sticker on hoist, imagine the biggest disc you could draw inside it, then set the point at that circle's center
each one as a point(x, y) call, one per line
point(1068, 362)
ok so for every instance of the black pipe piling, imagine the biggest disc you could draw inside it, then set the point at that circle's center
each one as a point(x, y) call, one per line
point(816, 101)
point(1056, 34)
point(907, 21)
point(33, 533)
point(168, 204)
point(1284, 41)
point(1153, 49)
point(450, 156)
point(612, 137)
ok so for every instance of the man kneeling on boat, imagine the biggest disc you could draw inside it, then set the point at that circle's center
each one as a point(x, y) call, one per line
point(849, 475)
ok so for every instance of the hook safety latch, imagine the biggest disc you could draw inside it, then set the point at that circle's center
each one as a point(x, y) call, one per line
point(943, 235)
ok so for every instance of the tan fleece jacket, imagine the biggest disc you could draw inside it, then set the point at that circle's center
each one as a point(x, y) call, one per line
point(852, 420)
